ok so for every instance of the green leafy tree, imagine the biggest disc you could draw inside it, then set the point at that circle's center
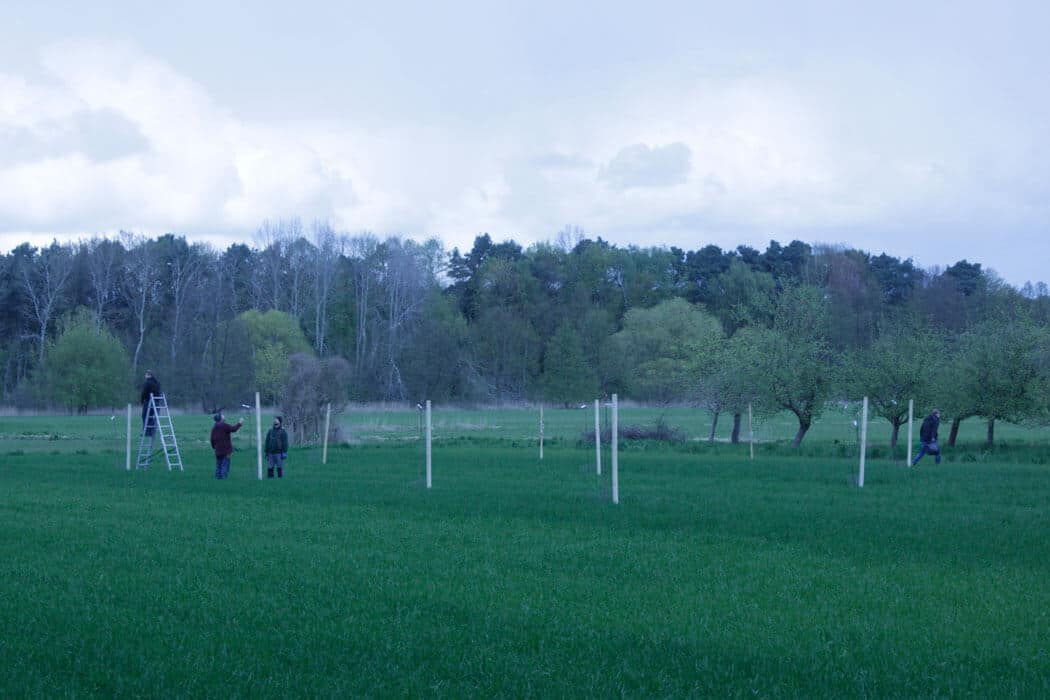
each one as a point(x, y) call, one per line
point(567, 376)
point(87, 366)
point(1000, 370)
point(273, 336)
point(791, 364)
point(666, 350)
point(901, 365)
point(745, 297)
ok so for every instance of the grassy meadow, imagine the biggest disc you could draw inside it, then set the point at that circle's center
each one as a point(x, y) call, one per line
point(714, 576)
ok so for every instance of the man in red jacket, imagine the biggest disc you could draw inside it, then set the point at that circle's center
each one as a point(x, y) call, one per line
point(223, 444)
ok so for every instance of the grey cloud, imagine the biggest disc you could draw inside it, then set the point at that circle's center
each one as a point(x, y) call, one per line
point(641, 166)
point(99, 135)
point(561, 161)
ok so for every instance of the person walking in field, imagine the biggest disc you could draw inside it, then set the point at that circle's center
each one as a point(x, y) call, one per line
point(928, 438)
point(150, 387)
point(222, 443)
point(276, 448)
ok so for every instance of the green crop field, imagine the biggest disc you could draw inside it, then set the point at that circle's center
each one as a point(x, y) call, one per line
point(714, 576)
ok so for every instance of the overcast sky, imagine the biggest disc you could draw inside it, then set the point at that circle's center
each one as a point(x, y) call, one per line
point(918, 129)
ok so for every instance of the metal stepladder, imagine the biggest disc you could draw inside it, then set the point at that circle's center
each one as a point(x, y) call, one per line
point(158, 421)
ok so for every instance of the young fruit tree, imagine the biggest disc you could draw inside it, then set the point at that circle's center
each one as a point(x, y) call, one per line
point(901, 364)
point(790, 364)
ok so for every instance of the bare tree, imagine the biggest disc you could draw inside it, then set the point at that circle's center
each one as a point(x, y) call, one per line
point(328, 252)
point(44, 283)
point(275, 241)
point(363, 250)
point(184, 268)
point(405, 284)
point(300, 256)
point(313, 384)
point(104, 268)
point(140, 285)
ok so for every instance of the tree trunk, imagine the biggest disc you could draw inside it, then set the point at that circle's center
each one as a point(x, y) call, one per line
point(803, 427)
point(893, 436)
point(714, 424)
point(991, 432)
point(954, 433)
point(735, 438)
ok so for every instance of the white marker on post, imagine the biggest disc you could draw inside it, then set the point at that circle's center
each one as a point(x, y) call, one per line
point(615, 445)
point(863, 441)
point(597, 438)
point(429, 431)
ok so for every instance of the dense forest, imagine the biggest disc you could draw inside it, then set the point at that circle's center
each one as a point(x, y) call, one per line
point(787, 328)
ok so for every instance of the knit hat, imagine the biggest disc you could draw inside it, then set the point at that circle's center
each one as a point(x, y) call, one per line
point(218, 417)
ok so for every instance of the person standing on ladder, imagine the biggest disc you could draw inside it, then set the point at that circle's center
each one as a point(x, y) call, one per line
point(150, 388)
point(222, 443)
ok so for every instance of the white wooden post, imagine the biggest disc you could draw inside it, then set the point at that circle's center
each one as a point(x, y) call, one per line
point(258, 433)
point(127, 451)
point(429, 431)
point(615, 445)
point(911, 416)
point(863, 441)
point(597, 438)
point(327, 422)
point(750, 431)
point(541, 432)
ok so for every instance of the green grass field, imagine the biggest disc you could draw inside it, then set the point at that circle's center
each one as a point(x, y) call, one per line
point(714, 576)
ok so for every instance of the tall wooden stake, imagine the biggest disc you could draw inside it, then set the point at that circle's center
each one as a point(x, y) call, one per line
point(127, 451)
point(258, 433)
point(911, 417)
point(429, 432)
point(327, 423)
point(863, 441)
point(597, 438)
point(750, 431)
point(615, 445)
point(541, 432)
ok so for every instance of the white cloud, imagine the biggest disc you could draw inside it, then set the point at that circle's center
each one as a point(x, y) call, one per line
point(113, 138)
point(195, 167)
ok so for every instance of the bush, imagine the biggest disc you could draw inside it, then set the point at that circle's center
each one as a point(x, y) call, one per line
point(311, 385)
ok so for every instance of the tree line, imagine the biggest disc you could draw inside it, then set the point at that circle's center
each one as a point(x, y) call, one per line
point(788, 328)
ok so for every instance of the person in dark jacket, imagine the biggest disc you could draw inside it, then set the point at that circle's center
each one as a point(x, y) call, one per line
point(928, 437)
point(223, 444)
point(151, 387)
point(276, 448)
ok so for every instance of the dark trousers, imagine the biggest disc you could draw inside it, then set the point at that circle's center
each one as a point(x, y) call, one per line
point(922, 451)
point(222, 467)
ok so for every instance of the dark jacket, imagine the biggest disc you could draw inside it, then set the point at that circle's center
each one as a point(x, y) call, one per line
point(151, 386)
point(220, 438)
point(928, 431)
point(276, 441)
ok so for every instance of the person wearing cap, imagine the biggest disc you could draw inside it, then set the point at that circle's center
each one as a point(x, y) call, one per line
point(928, 438)
point(222, 443)
point(276, 448)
